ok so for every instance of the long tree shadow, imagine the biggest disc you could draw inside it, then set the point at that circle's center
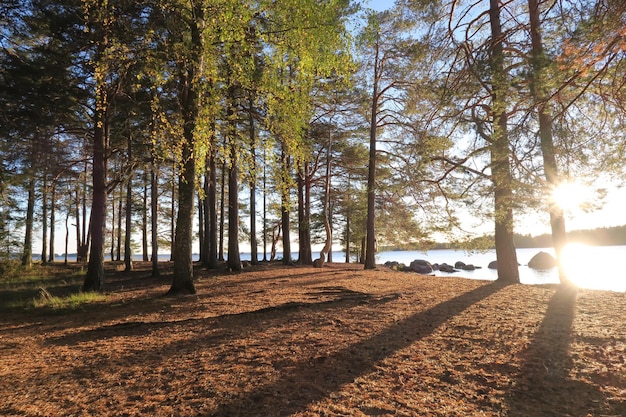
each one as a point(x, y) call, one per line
point(312, 380)
point(544, 381)
point(339, 298)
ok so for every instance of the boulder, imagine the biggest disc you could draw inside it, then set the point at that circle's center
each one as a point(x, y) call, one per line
point(421, 267)
point(464, 266)
point(542, 260)
point(444, 267)
point(493, 265)
point(396, 266)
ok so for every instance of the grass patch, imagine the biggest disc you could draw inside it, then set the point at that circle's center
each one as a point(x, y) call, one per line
point(21, 287)
point(69, 302)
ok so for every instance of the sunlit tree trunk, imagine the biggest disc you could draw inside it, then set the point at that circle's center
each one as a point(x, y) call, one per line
point(500, 158)
point(94, 279)
point(550, 166)
point(370, 253)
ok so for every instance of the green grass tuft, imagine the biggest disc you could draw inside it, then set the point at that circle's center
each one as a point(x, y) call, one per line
point(69, 302)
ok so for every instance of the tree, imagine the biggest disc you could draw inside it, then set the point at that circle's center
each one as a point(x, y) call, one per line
point(538, 90)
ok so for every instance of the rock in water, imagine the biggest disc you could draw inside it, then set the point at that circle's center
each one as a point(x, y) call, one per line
point(542, 260)
point(421, 267)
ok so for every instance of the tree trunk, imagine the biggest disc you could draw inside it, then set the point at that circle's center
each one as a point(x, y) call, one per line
point(264, 207)
point(154, 210)
point(67, 236)
point(234, 260)
point(128, 261)
point(173, 217)
point(118, 255)
point(550, 166)
point(113, 230)
point(94, 279)
point(326, 206)
point(144, 219)
point(44, 220)
point(182, 281)
point(205, 228)
point(348, 237)
point(304, 224)
point(254, 256)
point(201, 226)
point(370, 254)
point(222, 213)
point(500, 162)
point(53, 205)
point(285, 210)
point(212, 206)
point(27, 253)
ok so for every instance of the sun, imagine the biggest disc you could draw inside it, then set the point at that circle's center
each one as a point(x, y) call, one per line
point(570, 196)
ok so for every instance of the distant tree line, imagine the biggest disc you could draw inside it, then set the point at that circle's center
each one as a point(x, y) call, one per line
point(604, 236)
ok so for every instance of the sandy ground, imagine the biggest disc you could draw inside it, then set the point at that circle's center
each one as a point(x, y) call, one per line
point(337, 341)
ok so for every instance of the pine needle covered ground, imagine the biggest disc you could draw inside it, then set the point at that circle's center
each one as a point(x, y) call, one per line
point(337, 341)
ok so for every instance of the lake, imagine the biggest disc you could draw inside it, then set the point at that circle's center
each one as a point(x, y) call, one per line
point(593, 267)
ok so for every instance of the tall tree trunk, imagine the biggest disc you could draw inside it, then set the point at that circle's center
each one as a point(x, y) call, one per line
point(182, 281)
point(53, 206)
point(201, 227)
point(154, 213)
point(285, 209)
point(144, 218)
point(305, 253)
point(550, 166)
point(348, 236)
point(173, 215)
point(205, 235)
point(79, 243)
point(253, 178)
point(370, 253)
point(234, 260)
point(67, 236)
point(264, 207)
point(500, 154)
point(326, 250)
point(113, 228)
point(128, 260)
point(222, 213)
point(44, 220)
point(27, 253)
point(94, 279)
point(118, 255)
point(212, 205)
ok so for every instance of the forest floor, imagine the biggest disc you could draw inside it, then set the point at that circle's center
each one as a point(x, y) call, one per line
point(299, 341)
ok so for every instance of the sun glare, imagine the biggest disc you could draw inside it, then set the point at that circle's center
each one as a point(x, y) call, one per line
point(570, 196)
point(580, 264)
